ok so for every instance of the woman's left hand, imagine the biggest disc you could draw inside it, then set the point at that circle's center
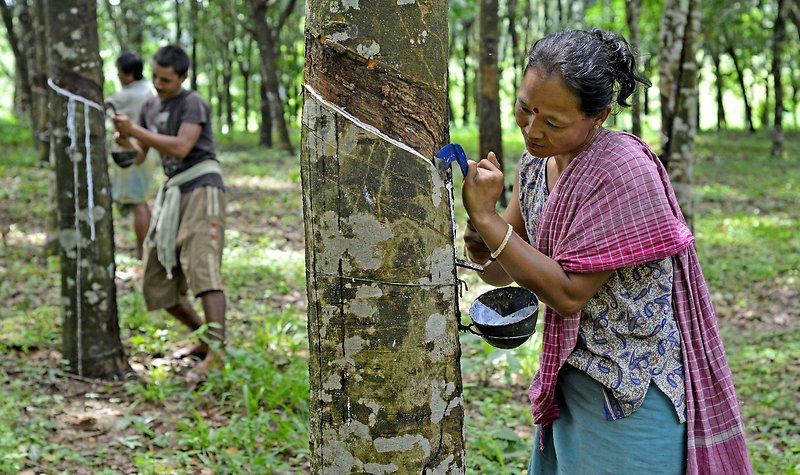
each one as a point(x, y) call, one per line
point(482, 187)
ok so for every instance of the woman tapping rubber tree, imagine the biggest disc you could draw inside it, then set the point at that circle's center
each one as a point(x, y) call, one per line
point(633, 377)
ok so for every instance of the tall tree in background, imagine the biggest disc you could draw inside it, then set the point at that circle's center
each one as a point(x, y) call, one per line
point(90, 327)
point(23, 85)
point(128, 18)
point(490, 133)
point(386, 393)
point(633, 10)
point(778, 41)
point(267, 34)
point(680, 25)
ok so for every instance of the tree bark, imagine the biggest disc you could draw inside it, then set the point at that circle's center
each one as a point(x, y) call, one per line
point(194, 17)
point(748, 109)
point(465, 72)
point(266, 37)
point(386, 393)
point(633, 10)
point(243, 59)
point(178, 23)
point(489, 124)
point(778, 40)
point(265, 132)
point(513, 38)
point(720, 90)
point(680, 27)
point(22, 79)
point(88, 293)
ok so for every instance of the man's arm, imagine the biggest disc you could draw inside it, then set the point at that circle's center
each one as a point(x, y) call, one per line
point(175, 146)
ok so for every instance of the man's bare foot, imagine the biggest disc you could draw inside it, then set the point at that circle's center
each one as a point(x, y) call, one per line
point(199, 373)
point(198, 351)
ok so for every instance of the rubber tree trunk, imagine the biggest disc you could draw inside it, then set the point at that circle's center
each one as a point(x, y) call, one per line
point(88, 294)
point(266, 36)
point(489, 125)
point(680, 26)
point(386, 392)
point(778, 41)
point(22, 77)
point(633, 9)
point(748, 109)
point(719, 84)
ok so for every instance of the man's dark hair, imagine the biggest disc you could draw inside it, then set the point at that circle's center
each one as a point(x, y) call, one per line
point(173, 56)
point(129, 62)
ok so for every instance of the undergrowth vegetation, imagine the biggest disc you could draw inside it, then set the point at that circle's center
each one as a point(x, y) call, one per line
point(252, 416)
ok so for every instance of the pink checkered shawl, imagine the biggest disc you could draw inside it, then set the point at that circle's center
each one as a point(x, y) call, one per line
point(614, 207)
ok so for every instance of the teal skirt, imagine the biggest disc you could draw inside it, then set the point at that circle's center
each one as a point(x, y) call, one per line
point(581, 441)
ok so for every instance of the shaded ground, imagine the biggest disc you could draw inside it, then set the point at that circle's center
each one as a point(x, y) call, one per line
point(118, 426)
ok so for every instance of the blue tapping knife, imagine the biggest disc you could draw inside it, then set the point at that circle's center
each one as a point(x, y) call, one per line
point(453, 151)
point(448, 154)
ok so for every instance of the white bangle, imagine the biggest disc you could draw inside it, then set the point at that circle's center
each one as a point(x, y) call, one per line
point(497, 252)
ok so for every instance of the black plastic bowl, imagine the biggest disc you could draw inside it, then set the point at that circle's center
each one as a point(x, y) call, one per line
point(124, 158)
point(505, 317)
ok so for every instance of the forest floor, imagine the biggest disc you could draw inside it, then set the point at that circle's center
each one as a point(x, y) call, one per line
point(252, 416)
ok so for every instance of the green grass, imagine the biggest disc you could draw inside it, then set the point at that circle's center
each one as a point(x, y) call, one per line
point(252, 416)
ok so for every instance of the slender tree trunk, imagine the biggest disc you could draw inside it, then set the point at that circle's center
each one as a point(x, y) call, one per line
point(22, 77)
point(646, 92)
point(118, 25)
point(467, 39)
point(266, 38)
point(194, 17)
point(265, 134)
point(386, 393)
point(227, 79)
point(513, 38)
point(244, 69)
point(778, 40)
point(720, 89)
point(633, 10)
point(748, 109)
point(41, 120)
point(680, 27)
point(220, 90)
point(764, 112)
point(88, 294)
point(178, 23)
point(794, 16)
point(489, 125)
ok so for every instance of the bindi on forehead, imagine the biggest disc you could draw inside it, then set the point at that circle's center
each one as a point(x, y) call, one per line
point(535, 110)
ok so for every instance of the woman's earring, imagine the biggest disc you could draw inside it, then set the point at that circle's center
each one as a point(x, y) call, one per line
point(596, 126)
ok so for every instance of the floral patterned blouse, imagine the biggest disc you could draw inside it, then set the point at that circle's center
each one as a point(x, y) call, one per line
point(628, 336)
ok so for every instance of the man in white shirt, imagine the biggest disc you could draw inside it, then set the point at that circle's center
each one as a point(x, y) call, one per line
point(132, 187)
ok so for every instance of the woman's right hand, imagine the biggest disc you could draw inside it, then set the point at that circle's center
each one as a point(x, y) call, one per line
point(474, 247)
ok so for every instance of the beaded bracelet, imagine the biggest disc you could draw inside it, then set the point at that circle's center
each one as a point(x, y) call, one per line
point(497, 252)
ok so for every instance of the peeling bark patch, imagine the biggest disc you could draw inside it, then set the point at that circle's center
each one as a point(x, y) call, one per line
point(353, 345)
point(440, 266)
point(369, 51)
point(445, 467)
point(69, 239)
point(440, 394)
point(435, 327)
point(403, 443)
point(366, 234)
point(380, 469)
point(406, 2)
